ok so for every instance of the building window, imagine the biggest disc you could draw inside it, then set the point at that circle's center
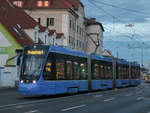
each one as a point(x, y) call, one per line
point(80, 30)
point(74, 26)
point(39, 3)
point(77, 28)
point(38, 20)
point(46, 3)
point(77, 43)
point(70, 24)
point(83, 46)
point(18, 3)
point(50, 22)
point(80, 44)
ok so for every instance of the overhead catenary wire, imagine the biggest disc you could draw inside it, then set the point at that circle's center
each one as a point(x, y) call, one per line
point(114, 17)
point(123, 8)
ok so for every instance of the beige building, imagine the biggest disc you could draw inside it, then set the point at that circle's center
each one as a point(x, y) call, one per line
point(107, 53)
point(149, 65)
point(68, 17)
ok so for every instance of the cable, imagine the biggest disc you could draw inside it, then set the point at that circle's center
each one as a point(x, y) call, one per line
point(108, 14)
point(126, 9)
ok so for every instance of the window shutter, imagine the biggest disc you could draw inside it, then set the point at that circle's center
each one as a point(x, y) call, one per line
point(39, 20)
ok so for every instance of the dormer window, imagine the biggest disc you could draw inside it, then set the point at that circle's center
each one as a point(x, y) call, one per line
point(39, 3)
point(18, 3)
point(46, 3)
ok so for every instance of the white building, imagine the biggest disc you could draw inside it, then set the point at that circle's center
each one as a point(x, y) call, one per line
point(68, 17)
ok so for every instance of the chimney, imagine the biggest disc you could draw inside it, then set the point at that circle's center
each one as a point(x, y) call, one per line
point(93, 19)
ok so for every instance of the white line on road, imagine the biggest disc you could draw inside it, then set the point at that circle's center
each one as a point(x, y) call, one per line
point(98, 96)
point(17, 104)
point(75, 107)
point(140, 98)
point(33, 111)
point(129, 94)
point(109, 99)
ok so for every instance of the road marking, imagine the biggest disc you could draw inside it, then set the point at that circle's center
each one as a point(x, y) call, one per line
point(19, 106)
point(109, 99)
point(128, 94)
point(75, 107)
point(140, 98)
point(139, 92)
point(33, 111)
point(98, 96)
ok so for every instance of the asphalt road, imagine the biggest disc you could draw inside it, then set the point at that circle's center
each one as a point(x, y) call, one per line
point(124, 100)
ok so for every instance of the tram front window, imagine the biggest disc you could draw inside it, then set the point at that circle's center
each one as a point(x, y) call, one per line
point(32, 66)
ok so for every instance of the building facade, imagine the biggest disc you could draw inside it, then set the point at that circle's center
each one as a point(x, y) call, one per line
point(68, 17)
point(18, 29)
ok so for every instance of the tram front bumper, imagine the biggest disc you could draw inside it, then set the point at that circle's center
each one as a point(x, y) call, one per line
point(29, 89)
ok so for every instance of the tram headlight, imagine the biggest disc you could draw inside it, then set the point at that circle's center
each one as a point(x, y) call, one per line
point(34, 81)
point(21, 81)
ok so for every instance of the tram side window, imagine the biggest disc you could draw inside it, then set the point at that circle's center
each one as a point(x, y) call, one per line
point(48, 70)
point(138, 72)
point(135, 70)
point(132, 72)
point(96, 71)
point(76, 70)
point(127, 72)
point(83, 71)
point(109, 72)
point(102, 76)
point(60, 69)
point(69, 70)
point(106, 72)
point(122, 72)
point(119, 72)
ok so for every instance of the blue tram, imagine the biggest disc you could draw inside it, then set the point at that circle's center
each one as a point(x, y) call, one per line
point(50, 70)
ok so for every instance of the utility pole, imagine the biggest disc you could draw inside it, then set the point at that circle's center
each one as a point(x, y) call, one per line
point(142, 51)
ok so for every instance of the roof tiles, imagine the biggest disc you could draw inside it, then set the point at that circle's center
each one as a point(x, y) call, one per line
point(54, 4)
point(15, 20)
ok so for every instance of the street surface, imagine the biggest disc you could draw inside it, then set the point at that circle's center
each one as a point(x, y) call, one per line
point(124, 100)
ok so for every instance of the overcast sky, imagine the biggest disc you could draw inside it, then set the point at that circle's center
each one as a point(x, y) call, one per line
point(116, 15)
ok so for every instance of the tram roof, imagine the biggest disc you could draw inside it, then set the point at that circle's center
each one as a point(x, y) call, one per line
point(135, 64)
point(122, 61)
point(67, 51)
point(98, 57)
